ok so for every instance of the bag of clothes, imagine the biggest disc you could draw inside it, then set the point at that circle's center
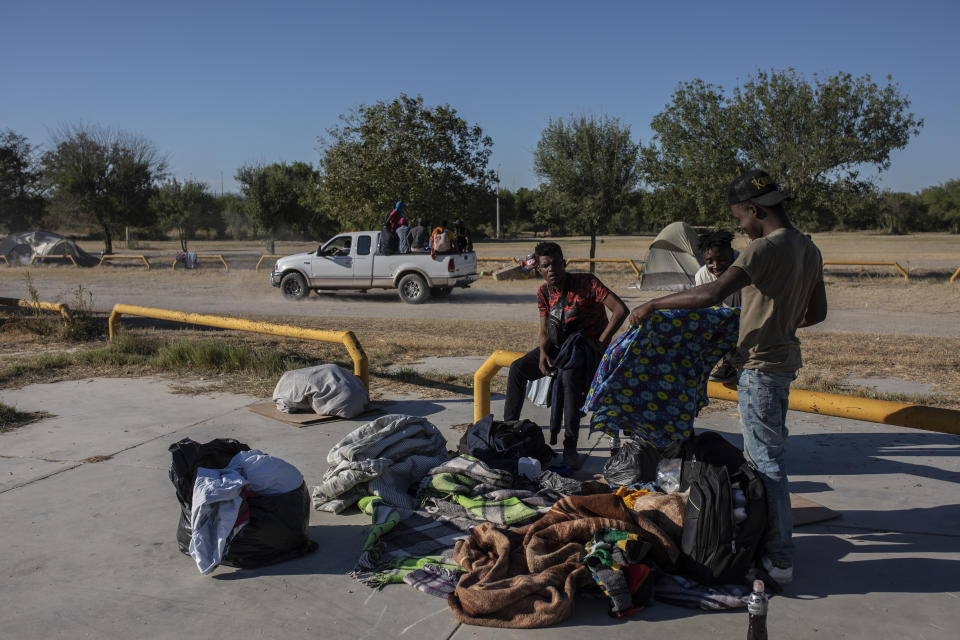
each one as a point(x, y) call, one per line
point(239, 507)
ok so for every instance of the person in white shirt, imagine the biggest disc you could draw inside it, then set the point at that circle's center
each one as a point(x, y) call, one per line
point(717, 251)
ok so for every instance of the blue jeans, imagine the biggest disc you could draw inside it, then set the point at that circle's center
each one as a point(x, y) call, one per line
point(762, 400)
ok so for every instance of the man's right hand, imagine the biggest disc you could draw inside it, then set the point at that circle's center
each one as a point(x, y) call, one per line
point(546, 366)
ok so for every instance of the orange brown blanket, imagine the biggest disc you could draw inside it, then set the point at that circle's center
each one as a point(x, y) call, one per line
point(528, 577)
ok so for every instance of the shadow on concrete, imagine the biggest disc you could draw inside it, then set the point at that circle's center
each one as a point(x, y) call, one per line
point(870, 453)
point(897, 569)
point(826, 453)
point(414, 407)
point(339, 548)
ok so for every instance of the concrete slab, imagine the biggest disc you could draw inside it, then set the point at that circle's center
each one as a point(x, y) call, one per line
point(89, 549)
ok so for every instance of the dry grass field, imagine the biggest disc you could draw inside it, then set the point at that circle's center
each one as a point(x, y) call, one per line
point(396, 334)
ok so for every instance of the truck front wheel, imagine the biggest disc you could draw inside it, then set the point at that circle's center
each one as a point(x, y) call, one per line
point(294, 286)
point(413, 289)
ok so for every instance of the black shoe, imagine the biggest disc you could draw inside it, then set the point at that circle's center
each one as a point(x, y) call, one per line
point(723, 373)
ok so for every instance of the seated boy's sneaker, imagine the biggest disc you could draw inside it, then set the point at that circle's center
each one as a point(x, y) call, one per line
point(783, 575)
point(724, 373)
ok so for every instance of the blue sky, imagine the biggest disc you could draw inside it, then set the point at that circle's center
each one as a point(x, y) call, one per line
point(215, 85)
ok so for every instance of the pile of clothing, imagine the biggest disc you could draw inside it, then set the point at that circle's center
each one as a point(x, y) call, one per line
point(504, 550)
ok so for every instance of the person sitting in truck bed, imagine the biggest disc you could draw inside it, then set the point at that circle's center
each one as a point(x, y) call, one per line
point(418, 236)
point(388, 243)
point(441, 240)
point(464, 241)
point(403, 236)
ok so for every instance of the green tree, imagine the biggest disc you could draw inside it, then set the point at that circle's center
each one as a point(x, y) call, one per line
point(429, 157)
point(943, 205)
point(22, 203)
point(283, 196)
point(185, 207)
point(898, 213)
point(105, 175)
point(815, 137)
point(591, 169)
point(234, 214)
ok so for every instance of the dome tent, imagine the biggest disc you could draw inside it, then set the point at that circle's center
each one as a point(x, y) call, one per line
point(673, 260)
point(21, 247)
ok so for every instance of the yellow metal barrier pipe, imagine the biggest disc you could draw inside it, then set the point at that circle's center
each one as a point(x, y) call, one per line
point(117, 256)
point(206, 256)
point(4, 258)
point(65, 255)
point(62, 309)
point(267, 255)
point(361, 365)
point(898, 414)
point(870, 264)
point(482, 377)
point(617, 260)
point(494, 259)
point(955, 275)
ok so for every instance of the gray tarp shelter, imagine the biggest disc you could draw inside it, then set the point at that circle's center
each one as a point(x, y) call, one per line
point(21, 247)
point(673, 260)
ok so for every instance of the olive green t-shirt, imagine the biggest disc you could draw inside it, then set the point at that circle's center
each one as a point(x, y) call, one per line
point(784, 267)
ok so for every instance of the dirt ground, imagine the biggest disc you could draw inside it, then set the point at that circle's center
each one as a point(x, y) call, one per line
point(879, 324)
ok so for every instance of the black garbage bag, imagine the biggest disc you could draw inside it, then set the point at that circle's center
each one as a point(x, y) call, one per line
point(502, 444)
point(278, 530)
point(279, 523)
point(635, 462)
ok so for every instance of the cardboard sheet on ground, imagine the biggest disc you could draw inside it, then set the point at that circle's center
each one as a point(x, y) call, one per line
point(269, 409)
point(806, 511)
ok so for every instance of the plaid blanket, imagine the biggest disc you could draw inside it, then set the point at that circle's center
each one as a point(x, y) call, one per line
point(480, 492)
point(403, 540)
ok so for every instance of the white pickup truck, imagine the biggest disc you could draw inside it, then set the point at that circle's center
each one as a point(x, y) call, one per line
point(350, 261)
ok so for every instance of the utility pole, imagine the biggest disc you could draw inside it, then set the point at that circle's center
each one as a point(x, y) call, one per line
point(498, 202)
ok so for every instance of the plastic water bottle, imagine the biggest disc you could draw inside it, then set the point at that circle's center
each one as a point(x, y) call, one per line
point(757, 610)
point(529, 467)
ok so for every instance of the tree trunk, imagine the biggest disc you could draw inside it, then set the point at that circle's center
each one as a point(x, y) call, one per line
point(107, 240)
point(593, 244)
point(270, 245)
point(183, 239)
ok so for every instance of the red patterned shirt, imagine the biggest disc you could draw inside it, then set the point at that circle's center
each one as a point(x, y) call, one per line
point(583, 308)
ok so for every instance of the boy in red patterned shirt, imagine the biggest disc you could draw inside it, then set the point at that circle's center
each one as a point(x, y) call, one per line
point(569, 303)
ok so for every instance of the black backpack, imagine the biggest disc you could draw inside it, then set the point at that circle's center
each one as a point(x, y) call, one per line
point(715, 549)
point(501, 444)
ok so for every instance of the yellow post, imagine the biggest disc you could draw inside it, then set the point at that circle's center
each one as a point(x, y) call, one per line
point(4, 258)
point(902, 271)
point(955, 274)
point(482, 377)
point(914, 416)
point(58, 307)
point(361, 365)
